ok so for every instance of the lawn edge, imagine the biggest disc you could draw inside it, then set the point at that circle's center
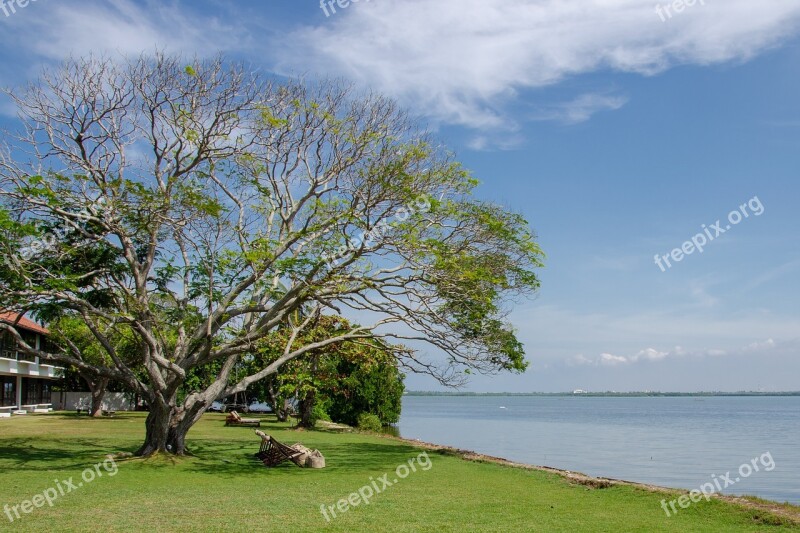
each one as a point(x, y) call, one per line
point(781, 510)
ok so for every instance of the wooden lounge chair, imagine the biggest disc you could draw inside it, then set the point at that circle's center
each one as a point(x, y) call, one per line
point(233, 419)
point(273, 453)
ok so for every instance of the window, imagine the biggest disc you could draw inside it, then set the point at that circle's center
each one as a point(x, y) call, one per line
point(29, 337)
point(47, 392)
point(30, 340)
point(7, 346)
point(29, 395)
point(36, 391)
point(8, 391)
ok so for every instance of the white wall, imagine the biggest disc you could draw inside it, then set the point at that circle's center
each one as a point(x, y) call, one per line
point(113, 401)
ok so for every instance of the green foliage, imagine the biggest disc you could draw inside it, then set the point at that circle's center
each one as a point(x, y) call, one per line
point(72, 329)
point(343, 379)
point(366, 384)
point(472, 280)
point(69, 333)
point(68, 328)
point(318, 412)
point(369, 422)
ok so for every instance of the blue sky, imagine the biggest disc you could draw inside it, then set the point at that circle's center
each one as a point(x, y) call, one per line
point(616, 133)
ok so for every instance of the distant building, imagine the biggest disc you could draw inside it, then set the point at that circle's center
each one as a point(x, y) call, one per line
point(25, 382)
point(579, 391)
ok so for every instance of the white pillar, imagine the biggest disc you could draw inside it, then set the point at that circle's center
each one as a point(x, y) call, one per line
point(19, 392)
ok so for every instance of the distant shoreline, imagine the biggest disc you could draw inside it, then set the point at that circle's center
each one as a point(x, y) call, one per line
point(603, 394)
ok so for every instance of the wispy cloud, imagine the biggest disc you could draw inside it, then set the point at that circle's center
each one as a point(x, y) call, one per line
point(654, 355)
point(772, 274)
point(608, 359)
point(483, 143)
point(580, 109)
point(555, 333)
point(465, 61)
point(120, 27)
point(701, 296)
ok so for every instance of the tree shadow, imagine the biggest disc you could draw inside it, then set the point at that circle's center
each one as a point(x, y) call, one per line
point(28, 454)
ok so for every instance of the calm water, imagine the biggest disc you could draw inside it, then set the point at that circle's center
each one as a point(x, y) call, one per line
point(675, 442)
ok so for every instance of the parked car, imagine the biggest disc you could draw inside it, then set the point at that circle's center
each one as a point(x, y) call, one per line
point(260, 407)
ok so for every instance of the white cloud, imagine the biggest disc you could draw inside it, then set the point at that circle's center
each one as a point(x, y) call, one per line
point(464, 61)
point(52, 31)
point(581, 108)
point(653, 355)
point(544, 327)
point(650, 354)
point(760, 346)
point(608, 359)
point(579, 360)
point(494, 142)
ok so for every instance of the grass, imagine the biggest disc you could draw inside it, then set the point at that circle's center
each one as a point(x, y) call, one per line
point(222, 488)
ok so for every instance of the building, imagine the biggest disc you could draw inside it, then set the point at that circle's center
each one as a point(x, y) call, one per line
point(25, 382)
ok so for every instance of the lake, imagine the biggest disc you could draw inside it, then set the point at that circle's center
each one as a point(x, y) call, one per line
point(680, 442)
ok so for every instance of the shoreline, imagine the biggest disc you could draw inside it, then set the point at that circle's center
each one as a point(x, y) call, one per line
point(784, 510)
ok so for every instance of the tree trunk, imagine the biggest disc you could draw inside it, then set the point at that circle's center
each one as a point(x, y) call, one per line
point(307, 403)
point(168, 423)
point(157, 427)
point(98, 389)
point(167, 426)
point(182, 421)
point(306, 410)
point(279, 407)
point(285, 411)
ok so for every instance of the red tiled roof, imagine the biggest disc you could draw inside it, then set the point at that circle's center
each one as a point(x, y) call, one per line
point(23, 323)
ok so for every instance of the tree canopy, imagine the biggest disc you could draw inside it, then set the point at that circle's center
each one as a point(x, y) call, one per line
point(200, 207)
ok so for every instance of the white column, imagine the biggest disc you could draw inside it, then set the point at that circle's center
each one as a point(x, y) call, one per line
point(19, 392)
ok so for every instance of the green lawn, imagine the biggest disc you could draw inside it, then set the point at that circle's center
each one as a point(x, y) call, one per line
point(223, 488)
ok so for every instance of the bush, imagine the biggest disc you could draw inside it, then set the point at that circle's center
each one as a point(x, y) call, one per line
point(318, 412)
point(369, 422)
point(367, 385)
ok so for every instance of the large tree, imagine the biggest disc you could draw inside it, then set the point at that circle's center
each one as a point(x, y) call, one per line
point(199, 205)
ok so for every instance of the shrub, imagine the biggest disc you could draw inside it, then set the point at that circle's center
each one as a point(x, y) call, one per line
point(369, 383)
point(369, 422)
point(318, 412)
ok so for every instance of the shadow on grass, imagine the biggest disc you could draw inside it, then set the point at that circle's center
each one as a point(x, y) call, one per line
point(219, 451)
point(28, 454)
